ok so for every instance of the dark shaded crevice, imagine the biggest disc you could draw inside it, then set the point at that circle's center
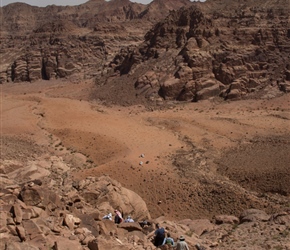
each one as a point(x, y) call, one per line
point(13, 66)
point(44, 75)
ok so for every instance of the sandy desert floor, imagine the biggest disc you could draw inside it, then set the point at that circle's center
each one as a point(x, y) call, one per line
point(200, 159)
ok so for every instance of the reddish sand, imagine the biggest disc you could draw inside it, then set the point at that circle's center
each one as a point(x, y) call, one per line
point(200, 159)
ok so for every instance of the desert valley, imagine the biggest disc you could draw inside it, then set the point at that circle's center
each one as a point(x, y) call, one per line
point(175, 112)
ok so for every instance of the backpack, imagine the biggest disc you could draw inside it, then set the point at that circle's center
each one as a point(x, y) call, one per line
point(168, 241)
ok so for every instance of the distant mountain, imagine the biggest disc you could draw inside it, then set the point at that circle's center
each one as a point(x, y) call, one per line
point(217, 48)
point(58, 41)
point(174, 49)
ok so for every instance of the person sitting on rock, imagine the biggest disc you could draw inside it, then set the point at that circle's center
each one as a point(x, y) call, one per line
point(107, 217)
point(168, 240)
point(129, 219)
point(143, 223)
point(118, 217)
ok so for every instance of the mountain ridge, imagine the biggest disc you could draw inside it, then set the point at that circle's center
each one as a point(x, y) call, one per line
point(188, 106)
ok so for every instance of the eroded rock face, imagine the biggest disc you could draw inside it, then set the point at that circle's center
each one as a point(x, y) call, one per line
point(240, 48)
point(53, 56)
point(42, 218)
point(60, 41)
point(98, 193)
point(57, 213)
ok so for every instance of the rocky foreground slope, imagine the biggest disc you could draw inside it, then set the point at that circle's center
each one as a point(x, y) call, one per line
point(42, 208)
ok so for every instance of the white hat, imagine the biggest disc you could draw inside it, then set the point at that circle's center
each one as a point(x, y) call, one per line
point(181, 237)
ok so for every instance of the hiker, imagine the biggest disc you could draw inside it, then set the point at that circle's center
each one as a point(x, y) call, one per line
point(143, 223)
point(159, 235)
point(118, 217)
point(168, 240)
point(129, 219)
point(108, 217)
point(181, 244)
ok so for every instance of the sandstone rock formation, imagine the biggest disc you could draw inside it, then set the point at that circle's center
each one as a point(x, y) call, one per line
point(59, 41)
point(49, 195)
point(212, 49)
point(60, 214)
point(201, 50)
point(41, 214)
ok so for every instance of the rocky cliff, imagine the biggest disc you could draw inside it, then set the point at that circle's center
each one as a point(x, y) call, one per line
point(218, 48)
point(200, 50)
point(57, 41)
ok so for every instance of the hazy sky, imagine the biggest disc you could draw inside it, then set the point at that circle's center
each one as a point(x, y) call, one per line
point(44, 3)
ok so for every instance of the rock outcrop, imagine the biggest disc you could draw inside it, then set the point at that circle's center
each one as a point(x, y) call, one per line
point(61, 214)
point(60, 41)
point(215, 48)
point(200, 50)
point(36, 215)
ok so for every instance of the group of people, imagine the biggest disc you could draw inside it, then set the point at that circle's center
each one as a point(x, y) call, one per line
point(118, 217)
point(162, 238)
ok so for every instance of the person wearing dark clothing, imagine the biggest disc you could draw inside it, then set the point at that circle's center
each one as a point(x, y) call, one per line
point(118, 217)
point(159, 235)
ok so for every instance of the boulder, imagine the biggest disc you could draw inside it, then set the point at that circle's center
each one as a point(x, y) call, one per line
point(31, 228)
point(282, 218)
point(107, 227)
point(32, 196)
point(251, 215)
point(3, 218)
point(29, 173)
point(41, 241)
point(18, 215)
point(21, 233)
point(233, 94)
point(93, 245)
point(188, 92)
point(199, 226)
point(226, 219)
point(208, 92)
point(5, 181)
point(12, 230)
point(71, 221)
point(132, 226)
point(87, 239)
point(171, 88)
point(20, 246)
point(90, 222)
point(111, 243)
point(109, 195)
point(184, 73)
point(27, 214)
point(66, 244)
